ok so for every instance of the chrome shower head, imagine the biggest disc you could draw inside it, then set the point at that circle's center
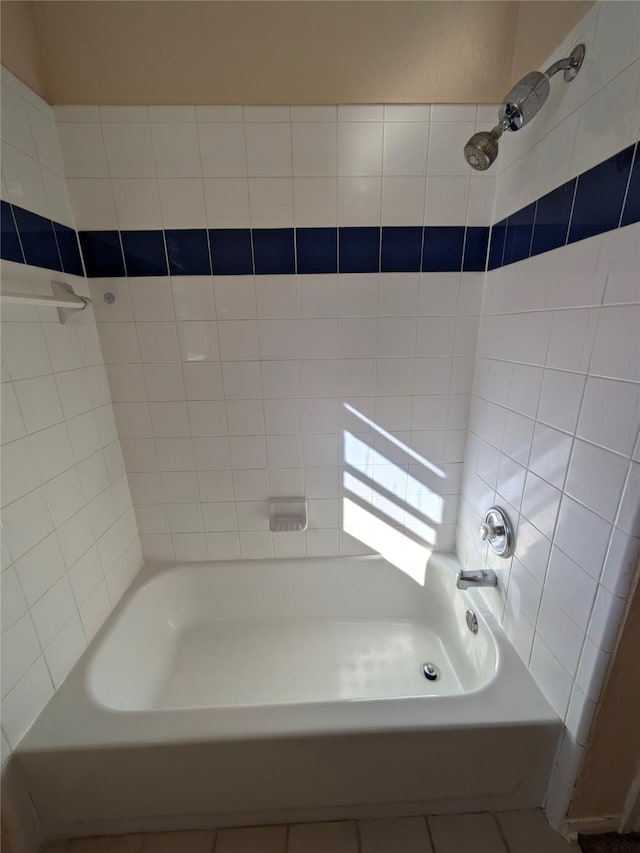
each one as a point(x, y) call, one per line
point(482, 149)
point(521, 104)
point(524, 101)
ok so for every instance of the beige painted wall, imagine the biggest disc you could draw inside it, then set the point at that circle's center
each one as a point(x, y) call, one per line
point(179, 51)
point(18, 47)
point(612, 758)
point(542, 24)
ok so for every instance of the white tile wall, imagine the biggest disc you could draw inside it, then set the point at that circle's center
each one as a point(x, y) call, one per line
point(215, 416)
point(228, 391)
point(69, 539)
point(555, 402)
point(244, 380)
point(271, 166)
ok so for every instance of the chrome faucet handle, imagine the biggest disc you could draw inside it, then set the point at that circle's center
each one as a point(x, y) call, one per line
point(497, 531)
point(490, 531)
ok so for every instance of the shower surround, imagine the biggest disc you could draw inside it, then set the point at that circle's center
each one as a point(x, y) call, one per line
point(325, 357)
point(553, 429)
point(70, 545)
point(297, 298)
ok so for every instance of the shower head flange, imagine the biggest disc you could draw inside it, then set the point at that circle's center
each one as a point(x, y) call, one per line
point(577, 58)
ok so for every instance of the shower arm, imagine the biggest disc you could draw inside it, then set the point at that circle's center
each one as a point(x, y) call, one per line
point(569, 64)
point(561, 65)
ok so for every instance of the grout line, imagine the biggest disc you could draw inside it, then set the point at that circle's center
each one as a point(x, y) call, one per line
point(429, 834)
point(501, 832)
point(626, 190)
point(358, 836)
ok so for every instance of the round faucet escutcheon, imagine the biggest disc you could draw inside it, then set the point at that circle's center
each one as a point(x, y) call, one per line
point(496, 529)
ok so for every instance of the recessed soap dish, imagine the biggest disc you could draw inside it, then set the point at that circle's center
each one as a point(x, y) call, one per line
point(287, 514)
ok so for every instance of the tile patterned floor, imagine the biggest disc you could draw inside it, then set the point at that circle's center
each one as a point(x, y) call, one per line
point(507, 832)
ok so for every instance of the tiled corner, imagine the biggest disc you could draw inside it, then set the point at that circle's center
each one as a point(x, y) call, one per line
point(529, 832)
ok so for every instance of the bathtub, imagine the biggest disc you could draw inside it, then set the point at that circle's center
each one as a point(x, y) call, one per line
point(231, 693)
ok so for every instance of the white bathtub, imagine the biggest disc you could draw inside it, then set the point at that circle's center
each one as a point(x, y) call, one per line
point(244, 692)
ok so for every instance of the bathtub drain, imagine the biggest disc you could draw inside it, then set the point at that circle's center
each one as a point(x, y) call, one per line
point(430, 671)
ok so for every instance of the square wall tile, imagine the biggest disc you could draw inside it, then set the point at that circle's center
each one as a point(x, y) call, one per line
point(144, 252)
point(496, 244)
point(102, 253)
point(359, 250)
point(315, 202)
point(181, 202)
point(443, 249)
point(274, 251)
point(38, 239)
point(359, 200)
point(226, 202)
point(67, 241)
point(83, 150)
point(231, 252)
point(401, 249)
point(517, 245)
point(92, 202)
point(271, 202)
point(235, 297)
point(599, 196)
point(269, 150)
point(551, 224)
point(175, 150)
point(405, 148)
point(360, 148)
point(596, 478)
point(402, 200)
point(315, 149)
point(475, 249)
point(188, 251)
point(222, 149)
point(317, 250)
point(193, 297)
point(128, 148)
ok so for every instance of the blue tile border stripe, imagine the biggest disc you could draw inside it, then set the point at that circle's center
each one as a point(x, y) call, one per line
point(601, 199)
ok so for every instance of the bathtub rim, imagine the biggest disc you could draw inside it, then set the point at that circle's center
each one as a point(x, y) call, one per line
point(74, 720)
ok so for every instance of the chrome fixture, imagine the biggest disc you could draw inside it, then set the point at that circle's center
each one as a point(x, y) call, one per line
point(62, 296)
point(496, 529)
point(430, 671)
point(467, 578)
point(520, 105)
point(472, 621)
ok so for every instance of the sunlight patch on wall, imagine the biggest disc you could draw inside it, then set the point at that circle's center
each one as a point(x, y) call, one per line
point(404, 553)
point(392, 511)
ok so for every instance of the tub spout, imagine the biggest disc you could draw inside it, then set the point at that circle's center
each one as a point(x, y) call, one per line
point(476, 577)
